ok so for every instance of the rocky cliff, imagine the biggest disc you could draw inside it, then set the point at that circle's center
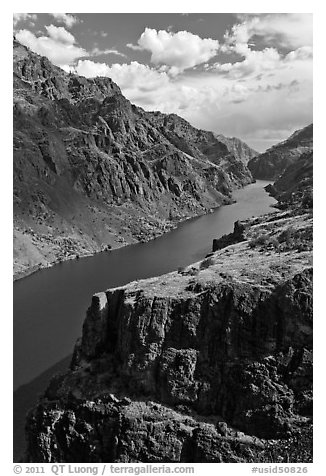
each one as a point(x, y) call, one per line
point(238, 148)
point(212, 363)
point(272, 163)
point(94, 172)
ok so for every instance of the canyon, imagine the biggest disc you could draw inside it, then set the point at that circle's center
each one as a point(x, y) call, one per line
point(211, 362)
point(94, 172)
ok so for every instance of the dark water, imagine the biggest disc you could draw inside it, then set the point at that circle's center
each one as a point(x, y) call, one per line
point(50, 305)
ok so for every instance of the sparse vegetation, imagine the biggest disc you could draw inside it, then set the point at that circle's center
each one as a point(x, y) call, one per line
point(288, 239)
point(307, 199)
point(206, 263)
point(264, 241)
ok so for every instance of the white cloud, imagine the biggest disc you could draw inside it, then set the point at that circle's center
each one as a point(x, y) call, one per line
point(59, 34)
point(255, 62)
point(303, 53)
point(17, 17)
point(180, 51)
point(290, 30)
point(59, 46)
point(134, 76)
point(261, 108)
point(65, 18)
point(147, 87)
point(97, 52)
point(134, 47)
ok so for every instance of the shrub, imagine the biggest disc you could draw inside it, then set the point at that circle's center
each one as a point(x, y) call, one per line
point(206, 263)
point(273, 242)
point(307, 199)
point(264, 241)
point(287, 236)
point(258, 240)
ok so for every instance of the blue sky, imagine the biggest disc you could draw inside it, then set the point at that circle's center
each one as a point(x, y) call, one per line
point(244, 75)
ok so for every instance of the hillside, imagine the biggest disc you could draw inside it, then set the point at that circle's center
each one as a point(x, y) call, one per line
point(272, 163)
point(211, 363)
point(94, 172)
point(295, 184)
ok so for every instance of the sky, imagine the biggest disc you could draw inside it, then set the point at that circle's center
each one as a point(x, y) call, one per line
point(243, 75)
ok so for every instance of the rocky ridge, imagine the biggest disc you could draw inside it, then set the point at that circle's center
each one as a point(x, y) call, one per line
point(212, 363)
point(272, 163)
point(94, 172)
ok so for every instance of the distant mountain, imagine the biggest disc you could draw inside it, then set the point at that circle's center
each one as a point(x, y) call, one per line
point(238, 148)
point(93, 171)
point(272, 163)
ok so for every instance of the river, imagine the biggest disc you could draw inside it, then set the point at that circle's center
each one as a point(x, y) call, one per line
point(50, 305)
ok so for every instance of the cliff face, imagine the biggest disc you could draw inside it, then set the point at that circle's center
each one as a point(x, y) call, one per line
point(209, 364)
point(238, 148)
point(272, 163)
point(93, 171)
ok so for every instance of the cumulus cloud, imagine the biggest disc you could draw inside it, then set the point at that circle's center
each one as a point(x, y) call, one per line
point(59, 34)
point(17, 17)
point(66, 18)
point(59, 46)
point(290, 30)
point(255, 62)
point(179, 51)
point(150, 88)
point(133, 76)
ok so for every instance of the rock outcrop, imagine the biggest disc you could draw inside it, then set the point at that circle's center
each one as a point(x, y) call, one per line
point(209, 364)
point(92, 171)
point(272, 163)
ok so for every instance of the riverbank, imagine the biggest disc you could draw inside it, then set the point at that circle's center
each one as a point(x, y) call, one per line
point(34, 251)
point(52, 250)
